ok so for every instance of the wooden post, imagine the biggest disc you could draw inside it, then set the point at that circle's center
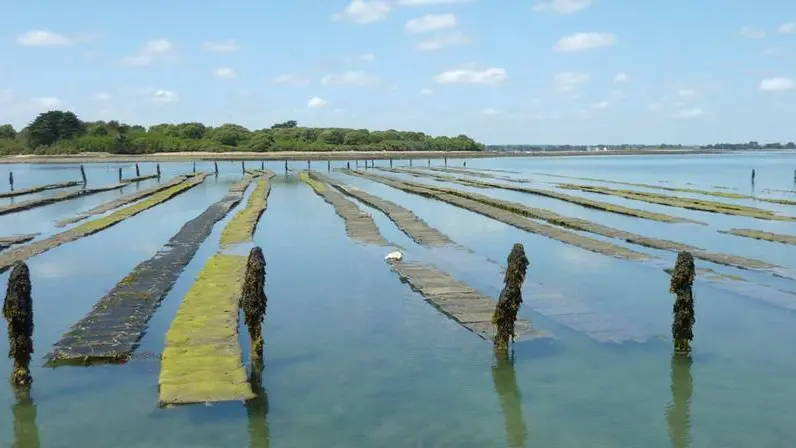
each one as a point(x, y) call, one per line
point(243, 166)
point(329, 166)
point(194, 167)
point(410, 163)
point(683, 310)
point(18, 312)
point(285, 166)
point(253, 301)
point(157, 169)
point(510, 300)
point(11, 179)
point(83, 174)
point(120, 174)
point(356, 162)
point(308, 164)
point(215, 166)
point(429, 162)
point(753, 176)
point(446, 160)
point(262, 165)
point(348, 165)
point(390, 163)
point(137, 171)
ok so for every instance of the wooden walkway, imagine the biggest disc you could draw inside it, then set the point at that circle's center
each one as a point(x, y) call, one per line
point(111, 331)
point(465, 305)
point(38, 188)
point(202, 359)
point(124, 200)
point(359, 225)
point(404, 219)
point(8, 258)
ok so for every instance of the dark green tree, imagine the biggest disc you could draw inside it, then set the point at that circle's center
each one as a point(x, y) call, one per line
point(7, 132)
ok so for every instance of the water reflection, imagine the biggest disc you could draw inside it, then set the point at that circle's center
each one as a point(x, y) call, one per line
point(26, 433)
point(257, 411)
point(678, 413)
point(505, 380)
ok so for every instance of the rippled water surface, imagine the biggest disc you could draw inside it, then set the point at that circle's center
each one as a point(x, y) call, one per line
point(354, 357)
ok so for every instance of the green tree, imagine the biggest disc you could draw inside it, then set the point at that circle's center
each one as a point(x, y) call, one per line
point(260, 142)
point(50, 127)
point(286, 124)
point(8, 132)
point(230, 134)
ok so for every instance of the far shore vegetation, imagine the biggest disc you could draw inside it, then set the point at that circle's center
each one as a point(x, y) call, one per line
point(62, 132)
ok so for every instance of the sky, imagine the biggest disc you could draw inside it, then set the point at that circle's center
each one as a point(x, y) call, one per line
point(500, 71)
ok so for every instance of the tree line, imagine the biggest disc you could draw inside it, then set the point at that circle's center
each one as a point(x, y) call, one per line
point(62, 132)
point(751, 145)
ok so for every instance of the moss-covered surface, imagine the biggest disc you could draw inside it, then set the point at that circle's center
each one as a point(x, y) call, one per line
point(24, 252)
point(38, 188)
point(511, 213)
point(687, 203)
point(359, 225)
point(720, 194)
point(761, 235)
point(124, 200)
point(201, 361)
point(452, 196)
point(588, 203)
point(242, 226)
point(404, 219)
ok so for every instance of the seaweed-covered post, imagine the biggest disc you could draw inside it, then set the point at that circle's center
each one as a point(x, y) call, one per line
point(465, 164)
point(137, 171)
point(262, 165)
point(329, 166)
point(18, 312)
point(215, 167)
point(410, 163)
point(308, 164)
point(157, 169)
point(683, 310)
point(446, 160)
point(285, 166)
point(194, 166)
point(83, 174)
point(510, 299)
point(253, 302)
point(243, 166)
point(390, 163)
point(348, 165)
point(11, 179)
point(120, 174)
point(753, 175)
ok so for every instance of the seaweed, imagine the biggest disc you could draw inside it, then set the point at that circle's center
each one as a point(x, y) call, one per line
point(253, 302)
point(683, 309)
point(18, 312)
point(510, 299)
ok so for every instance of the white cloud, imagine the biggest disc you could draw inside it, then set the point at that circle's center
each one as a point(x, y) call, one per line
point(426, 92)
point(491, 76)
point(316, 102)
point(226, 46)
point(584, 41)
point(621, 77)
point(43, 38)
point(47, 102)
point(430, 22)
point(689, 113)
point(353, 78)
point(600, 105)
point(562, 6)
point(164, 96)
point(152, 50)
point(431, 2)
point(752, 33)
point(287, 78)
point(787, 28)
point(441, 41)
point(102, 96)
point(777, 84)
point(224, 73)
point(363, 11)
point(686, 92)
point(569, 81)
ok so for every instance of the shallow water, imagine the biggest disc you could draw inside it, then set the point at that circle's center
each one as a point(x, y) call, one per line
point(355, 358)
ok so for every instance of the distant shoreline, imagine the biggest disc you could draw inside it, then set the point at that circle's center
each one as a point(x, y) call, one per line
point(320, 156)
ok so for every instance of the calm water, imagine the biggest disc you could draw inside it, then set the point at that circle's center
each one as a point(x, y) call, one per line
point(355, 358)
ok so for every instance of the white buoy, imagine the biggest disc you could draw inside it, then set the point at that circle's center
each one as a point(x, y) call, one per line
point(397, 255)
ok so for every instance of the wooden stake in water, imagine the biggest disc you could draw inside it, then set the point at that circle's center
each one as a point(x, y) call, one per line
point(753, 176)
point(356, 163)
point(137, 171)
point(157, 169)
point(429, 162)
point(683, 310)
point(285, 166)
point(194, 167)
point(262, 165)
point(253, 301)
point(83, 174)
point(390, 163)
point(215, 166)
point(410, 163)
point(18, 312)
point(308, 164)
point(243, 166)
point(329, 166)
point(11, 179)
point(446, 160)
point(510, 299)
point(348, 165)
point(120, 174)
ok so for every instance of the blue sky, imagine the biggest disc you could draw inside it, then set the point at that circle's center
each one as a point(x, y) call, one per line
point(508, 71)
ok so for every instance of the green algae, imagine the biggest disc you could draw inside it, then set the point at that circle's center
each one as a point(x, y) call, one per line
point(22, 253)
point(242, 226)
point(762, 235)
point(687, 203)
